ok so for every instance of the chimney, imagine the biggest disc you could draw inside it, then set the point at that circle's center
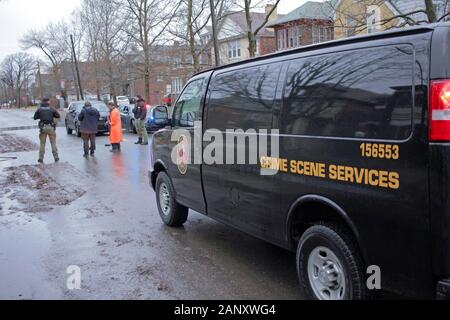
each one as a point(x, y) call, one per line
point(274, 14)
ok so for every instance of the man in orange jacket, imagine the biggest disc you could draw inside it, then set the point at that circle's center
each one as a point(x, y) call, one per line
point(115, 134)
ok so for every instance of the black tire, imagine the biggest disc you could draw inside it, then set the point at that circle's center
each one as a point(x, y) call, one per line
point(329, 239)
point(77, 130)
point(172, 213)
point(68, 130)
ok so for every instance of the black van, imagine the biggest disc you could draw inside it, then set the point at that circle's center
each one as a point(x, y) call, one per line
point(364, 160)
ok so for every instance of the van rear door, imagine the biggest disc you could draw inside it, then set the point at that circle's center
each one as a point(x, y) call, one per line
point(440, 150)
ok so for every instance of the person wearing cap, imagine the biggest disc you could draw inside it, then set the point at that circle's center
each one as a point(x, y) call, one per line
point(88, 118)
point(140, 114)
point(115, 134)
point(47, 128)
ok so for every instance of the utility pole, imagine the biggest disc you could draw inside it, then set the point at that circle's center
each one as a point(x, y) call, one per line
point(41, 93)
point(76, 67)
point(214, 31)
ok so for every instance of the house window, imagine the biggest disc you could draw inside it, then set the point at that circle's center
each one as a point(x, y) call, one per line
point(299, 35)
point(325, 34)
point(315, 34)
point(373, 19)
point(351, 26)
point(177, 85)
point(280, 39)
point(234, 49)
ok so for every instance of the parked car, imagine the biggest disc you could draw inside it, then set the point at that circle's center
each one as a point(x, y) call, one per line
point(122, 100)
point(153, 123)
point(74, 109)
point(127, 116)
point(358, 184)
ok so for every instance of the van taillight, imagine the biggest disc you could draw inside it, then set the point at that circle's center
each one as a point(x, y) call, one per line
point(440, 110)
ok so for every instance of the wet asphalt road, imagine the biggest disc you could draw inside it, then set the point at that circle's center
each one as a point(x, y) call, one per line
point(113, 233)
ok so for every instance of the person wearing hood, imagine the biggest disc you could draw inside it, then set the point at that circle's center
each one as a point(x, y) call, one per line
point(47, 128)
point(115, 135)
point(88, 118)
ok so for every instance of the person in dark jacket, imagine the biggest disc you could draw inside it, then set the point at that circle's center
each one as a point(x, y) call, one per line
point(140, 114)
point(47, 128)
point(88, 118)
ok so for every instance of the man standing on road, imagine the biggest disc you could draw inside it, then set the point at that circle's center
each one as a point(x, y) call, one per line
point(140, 114)
point(88, 118)
point(47, 128)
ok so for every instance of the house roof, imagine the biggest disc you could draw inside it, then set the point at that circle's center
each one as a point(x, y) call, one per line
point(258, 18)
point(308, 10)
point(408, 6)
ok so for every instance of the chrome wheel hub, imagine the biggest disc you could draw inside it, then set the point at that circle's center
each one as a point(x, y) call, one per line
point(164, 199)
point(326, 275)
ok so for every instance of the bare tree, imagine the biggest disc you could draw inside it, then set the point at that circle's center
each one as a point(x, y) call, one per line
point(54, 42)
point(148, 20)
point(92, 26)
point(43, 41)
point(105, 40)
point(194, 23)
point(252, 31)
point(16, 71)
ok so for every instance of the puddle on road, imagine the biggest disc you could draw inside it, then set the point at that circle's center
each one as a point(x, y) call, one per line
point(13, 143)
point(21, 270)
point(39, 188)
point(24, 238)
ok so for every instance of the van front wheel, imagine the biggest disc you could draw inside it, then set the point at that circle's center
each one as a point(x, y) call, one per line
point(172, 213)
point(329, 265)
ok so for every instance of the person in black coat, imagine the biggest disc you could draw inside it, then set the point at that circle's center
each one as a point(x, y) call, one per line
point(88, 118)
point(140, 115)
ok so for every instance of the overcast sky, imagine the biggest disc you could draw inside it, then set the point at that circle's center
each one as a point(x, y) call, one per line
point(18, 16)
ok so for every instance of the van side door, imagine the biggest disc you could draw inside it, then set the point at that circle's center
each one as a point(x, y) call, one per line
point(240, 107)
point(184, 168)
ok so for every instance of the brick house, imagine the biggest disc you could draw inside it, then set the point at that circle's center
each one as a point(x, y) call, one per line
point(171, 68)
point(232, 35)
point(310, 23)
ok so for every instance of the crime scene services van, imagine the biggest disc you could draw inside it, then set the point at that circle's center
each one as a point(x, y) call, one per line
point(362, 166)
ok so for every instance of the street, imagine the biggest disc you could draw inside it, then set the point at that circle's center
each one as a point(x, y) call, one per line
point(100, 215)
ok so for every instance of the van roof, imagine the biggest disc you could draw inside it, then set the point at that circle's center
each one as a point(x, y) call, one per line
point(359, 38)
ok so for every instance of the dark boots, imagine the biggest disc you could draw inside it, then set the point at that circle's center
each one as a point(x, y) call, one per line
point(139, 141)
point(115, 147)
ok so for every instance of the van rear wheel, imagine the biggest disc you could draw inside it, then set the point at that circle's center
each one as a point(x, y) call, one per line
point(172, 213)
point(329, 265)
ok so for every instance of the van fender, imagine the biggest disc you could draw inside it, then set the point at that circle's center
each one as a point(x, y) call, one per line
point(154, 172)
point(327, 202)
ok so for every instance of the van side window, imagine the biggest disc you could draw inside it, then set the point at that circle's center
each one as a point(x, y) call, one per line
point(187, 110)
point(243, 99)
point(365, 94)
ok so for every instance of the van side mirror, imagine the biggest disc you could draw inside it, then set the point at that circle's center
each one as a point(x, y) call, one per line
point(160, 116)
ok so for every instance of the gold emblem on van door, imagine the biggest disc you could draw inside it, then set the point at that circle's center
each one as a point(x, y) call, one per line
point(182, 154)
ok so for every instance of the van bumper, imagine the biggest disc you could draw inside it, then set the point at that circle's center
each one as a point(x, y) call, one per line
point(443, 290)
